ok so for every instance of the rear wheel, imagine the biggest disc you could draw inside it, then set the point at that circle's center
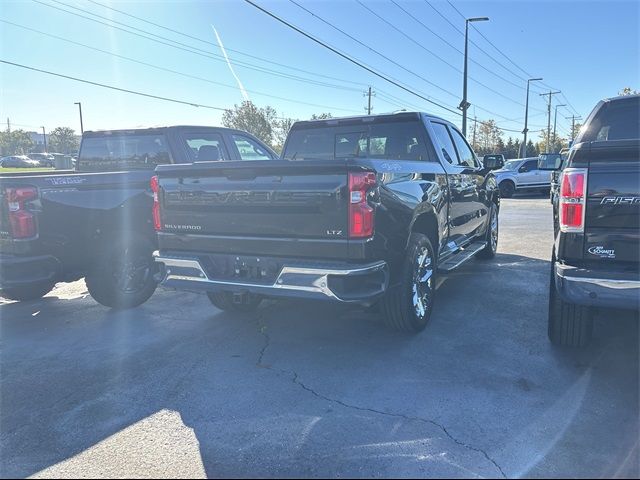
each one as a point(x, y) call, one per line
point(123, 276)
point(569, 325)
point(507, 188)
point(227, 302)
point(407, 306)
point(491, 238)
point(27, 292)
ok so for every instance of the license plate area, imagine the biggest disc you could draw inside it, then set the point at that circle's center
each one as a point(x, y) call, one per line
point(250, 269)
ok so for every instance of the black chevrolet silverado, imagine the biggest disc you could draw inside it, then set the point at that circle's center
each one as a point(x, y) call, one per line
point(96, 222)
point(361, 210)
point(596, 255)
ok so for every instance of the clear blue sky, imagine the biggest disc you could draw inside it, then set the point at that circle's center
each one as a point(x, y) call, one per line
point(589, 50)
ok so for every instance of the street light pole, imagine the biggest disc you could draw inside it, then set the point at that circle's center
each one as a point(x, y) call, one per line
point(44, 137)
point(523, 152)
point(80, 108)
point(555, 120)
point(464, 105)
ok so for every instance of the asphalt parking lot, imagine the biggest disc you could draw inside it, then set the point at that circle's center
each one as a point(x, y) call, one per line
point(177, 388)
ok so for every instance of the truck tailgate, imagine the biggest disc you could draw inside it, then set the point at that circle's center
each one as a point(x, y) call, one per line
point(269, 199)
point(612, 223)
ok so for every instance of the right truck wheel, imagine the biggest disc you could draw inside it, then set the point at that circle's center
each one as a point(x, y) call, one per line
point(407, 306)
point(569, 324)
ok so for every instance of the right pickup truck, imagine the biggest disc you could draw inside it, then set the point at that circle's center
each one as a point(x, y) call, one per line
point(596, 256)
point(359, 210)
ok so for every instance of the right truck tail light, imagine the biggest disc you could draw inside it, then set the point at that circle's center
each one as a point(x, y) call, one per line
point(155, 188)
point(573, 199)
point(361, 214)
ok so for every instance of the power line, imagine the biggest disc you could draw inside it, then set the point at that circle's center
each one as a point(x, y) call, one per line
point(355, 61)
point(207, 42)
point(509, 59)
point(204, 53)
point(456, 48)
point(412, 40)
point(111, 87)
point(372, 49)
point(158, 67)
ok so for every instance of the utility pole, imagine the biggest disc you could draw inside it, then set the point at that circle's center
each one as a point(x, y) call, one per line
point(550, 94)
point(44, 137)
point(555, 120)
point(8, 125)
point(80, 108)
point(464, 104)
point(573, 125)
point(523, 147)
point(370, 93)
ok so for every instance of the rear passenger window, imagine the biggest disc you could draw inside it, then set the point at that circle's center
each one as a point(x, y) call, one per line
point(112, 152)
point(205, 147)
point(467, 158)
point(250, 149)
point(445, 143)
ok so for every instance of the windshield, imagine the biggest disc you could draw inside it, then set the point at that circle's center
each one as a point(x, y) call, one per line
point(512, 165)
point(393, 140)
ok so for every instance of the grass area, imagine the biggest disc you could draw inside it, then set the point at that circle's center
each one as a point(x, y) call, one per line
point(22, 170)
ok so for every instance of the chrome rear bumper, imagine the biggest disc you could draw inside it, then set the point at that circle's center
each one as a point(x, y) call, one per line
point(298, 279)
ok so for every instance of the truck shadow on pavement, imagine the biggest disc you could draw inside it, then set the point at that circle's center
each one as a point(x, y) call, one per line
point(176, 388)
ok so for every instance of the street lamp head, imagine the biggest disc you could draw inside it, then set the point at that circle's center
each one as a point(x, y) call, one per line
point(535, 79)
point(478, 19)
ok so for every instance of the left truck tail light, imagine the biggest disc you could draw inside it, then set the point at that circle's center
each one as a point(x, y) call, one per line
point(22, 221)
point(361, 214)
point(573, 199)
point(155, 188)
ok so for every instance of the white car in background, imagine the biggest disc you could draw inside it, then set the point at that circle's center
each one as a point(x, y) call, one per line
point(523, 174)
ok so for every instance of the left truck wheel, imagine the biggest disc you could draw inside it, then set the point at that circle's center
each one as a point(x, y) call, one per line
point(123, 275)
point(27, 292)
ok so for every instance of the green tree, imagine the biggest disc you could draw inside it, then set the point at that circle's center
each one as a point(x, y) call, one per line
point(63, 140)
point(250, 118)
point(488, 136)
point(628, 91)
point(281, 129)
point(321, 116)
point(516, 148)
point(532, 150)
point(17, 142)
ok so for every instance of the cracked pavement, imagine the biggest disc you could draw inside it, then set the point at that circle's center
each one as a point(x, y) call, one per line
point(176, 388)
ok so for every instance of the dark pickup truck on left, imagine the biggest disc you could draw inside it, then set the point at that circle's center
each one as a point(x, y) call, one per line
point(97, 221)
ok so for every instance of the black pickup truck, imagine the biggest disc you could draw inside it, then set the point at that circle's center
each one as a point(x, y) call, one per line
point(357, 210)
point(96, 222)
point(596, 256)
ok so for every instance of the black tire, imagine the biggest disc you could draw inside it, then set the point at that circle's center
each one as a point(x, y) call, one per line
point(224, 301)
point(488, 252)
point(27, 292)
point(507, 188)
point(570, 325)
point(403, 306)
point(123, 276)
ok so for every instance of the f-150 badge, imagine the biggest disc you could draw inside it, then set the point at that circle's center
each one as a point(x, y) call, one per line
point(620, 201)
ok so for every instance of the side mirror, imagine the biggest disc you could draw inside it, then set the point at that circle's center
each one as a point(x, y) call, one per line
point(523, 169)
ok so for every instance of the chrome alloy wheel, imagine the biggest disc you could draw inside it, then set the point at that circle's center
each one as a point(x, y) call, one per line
point(423, 283)
point(494, 230)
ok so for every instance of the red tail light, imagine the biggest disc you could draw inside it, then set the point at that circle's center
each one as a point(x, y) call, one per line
point(573, 196)
point(22, 221)
point(361, 214)
point(155, 188)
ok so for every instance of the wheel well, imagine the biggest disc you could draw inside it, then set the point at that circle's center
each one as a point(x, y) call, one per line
point(427, 225)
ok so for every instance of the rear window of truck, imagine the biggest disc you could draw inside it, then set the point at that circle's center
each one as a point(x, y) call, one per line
point(123, 152)
point(614, 120)
point(393, 140)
